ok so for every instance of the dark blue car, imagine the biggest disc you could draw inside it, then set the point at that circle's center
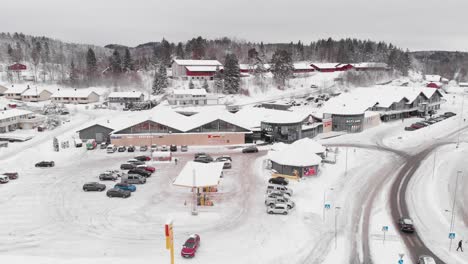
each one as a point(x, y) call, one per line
point(125, 187)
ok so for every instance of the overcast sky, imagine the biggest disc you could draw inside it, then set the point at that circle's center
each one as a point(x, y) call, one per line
point(412, 24)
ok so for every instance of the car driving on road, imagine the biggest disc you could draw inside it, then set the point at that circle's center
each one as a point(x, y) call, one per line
point(45, 164)
point(406, 225)
point(190, 246)
point(116, 192)
point(250, 149)
point(94, 186)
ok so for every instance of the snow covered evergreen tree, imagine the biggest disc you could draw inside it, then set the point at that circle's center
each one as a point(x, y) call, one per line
point(115, 63)
point(73, 75)
point(218, 80)
point(180, 54)
point(231, 74)
point(166, 52)
point(127, 61)
point(91, 66)
point(282, 67)
point(160, 80)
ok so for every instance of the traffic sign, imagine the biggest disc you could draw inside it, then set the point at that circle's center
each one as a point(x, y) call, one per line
point(384, 228)
point(327, 206)
point(400, 261)
point(451, 235)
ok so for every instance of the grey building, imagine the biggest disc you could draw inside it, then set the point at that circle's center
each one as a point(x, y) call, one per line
point(287, 130)
point(98, 132)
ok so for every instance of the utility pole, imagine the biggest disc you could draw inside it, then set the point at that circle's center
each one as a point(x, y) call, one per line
point(459, 122)
point(195, 190)
point(434, 164)
point(346, 165)
point(453, 208)
point(336, 228)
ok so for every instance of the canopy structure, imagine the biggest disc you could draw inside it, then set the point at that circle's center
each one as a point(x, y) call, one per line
point(206, 175)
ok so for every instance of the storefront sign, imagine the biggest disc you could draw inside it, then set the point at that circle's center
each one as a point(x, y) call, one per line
point(309, 171)
point(353, 121)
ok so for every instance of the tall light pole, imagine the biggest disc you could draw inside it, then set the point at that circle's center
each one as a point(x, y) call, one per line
point(324, 201)
point(336, 228)
point(453, 208)
point(346, 164)
point(459, 122)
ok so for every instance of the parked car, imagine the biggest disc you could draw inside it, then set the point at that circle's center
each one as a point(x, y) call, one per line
point(117, 173)
point(103, 145)
point(131, 149)
point(190, 246)
point(281, 188)
point(272, 200)
point(107, 176)
point(279, 181)
point(111, 148)
point(143, 148)
point(173, 148)
point(125, 187)
point(164, 148)
point(117, 192)
point(45, 164)
point(127, 166)
point(223, 157)
point(147, 168)
point(143, 158)
point(449, 114)
point(406, 225)
point(11, 175)
point(250, 149)
point(184, 148)
point(135, 162)
point(140, 171)
point(4, 179)
point(426, 260)
point(204, 159)
point(121, 149)
point(93, 186)
point(418, 125)
point(199, 154)
point(227, 164)
point(134, 179)
point(278, 209)
point(154, 147)
point(410, 128)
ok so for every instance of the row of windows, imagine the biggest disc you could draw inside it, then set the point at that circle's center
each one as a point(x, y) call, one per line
point(15, 118)
point(69, 98)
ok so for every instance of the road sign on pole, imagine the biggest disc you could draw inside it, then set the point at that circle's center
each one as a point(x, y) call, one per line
point(384, 230)
point(327, 206)
point(451, 235)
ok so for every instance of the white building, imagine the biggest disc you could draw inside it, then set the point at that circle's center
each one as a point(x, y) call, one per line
point(3, 89)
point(75, 96)
point(36, 95)
point(195, 69)
point(15, 92)
point(192, 97)
point(123, 98)
point(13, 119)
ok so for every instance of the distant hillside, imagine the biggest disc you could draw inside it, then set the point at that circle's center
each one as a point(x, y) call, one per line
point(450, 64)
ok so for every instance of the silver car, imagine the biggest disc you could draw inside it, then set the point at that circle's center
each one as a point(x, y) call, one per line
point(278, 209)
point(426, 260)
point(134, 179)
point(281, 188)
point(273, 199)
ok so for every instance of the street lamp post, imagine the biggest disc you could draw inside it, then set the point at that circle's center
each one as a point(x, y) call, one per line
point(336, 228)
point(324, 201)
point(459, 122)
point(453, 208)
point(346, 163)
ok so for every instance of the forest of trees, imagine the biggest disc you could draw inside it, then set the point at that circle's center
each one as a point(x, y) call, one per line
point(82, 65)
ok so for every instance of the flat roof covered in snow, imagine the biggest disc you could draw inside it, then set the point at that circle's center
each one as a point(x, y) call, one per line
point(189, 91)
point(198, 62)
point(206, 174)
point(79, 93)
point(13, 113)
point(301, 153)
point(125, 94)
point(203, 68)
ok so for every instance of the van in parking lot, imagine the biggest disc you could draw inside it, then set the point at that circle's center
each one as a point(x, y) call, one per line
point(78, 142)
point(111, 148)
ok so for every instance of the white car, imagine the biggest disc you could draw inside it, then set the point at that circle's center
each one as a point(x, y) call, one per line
point(4, 179)
point(277, 209)
point(132, 161)
point(281, 188)
point(164, 148)
point(154, 148)
point(273, 199)
point(426, 260)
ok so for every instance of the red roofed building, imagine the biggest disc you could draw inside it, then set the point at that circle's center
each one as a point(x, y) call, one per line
point(17, 67)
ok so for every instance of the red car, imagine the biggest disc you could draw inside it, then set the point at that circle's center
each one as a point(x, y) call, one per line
point(190, 246)
point(147, 168)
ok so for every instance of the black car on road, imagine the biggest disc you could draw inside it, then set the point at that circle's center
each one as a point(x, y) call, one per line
point(278, 180)
point(45, 164)
point(140, 171)
point(116, 192)
point(406, 225)
point(250, 149)
point(127, 166)
point(94, 186)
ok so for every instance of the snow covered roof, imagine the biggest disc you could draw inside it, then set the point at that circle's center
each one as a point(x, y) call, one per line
point(78, 93)
point(202, 118)
point(370, 65)
point(206, 174)
point(16, 90)
point(325, 65)
point(125, 94)
point(34, 91)
point(198, 62)
point(432, 78)
point(301, 153)
point(302, 66)
point(189, 91)
point(203, 68)
point(463, 84)
point(13, 113)
point(253, 116)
